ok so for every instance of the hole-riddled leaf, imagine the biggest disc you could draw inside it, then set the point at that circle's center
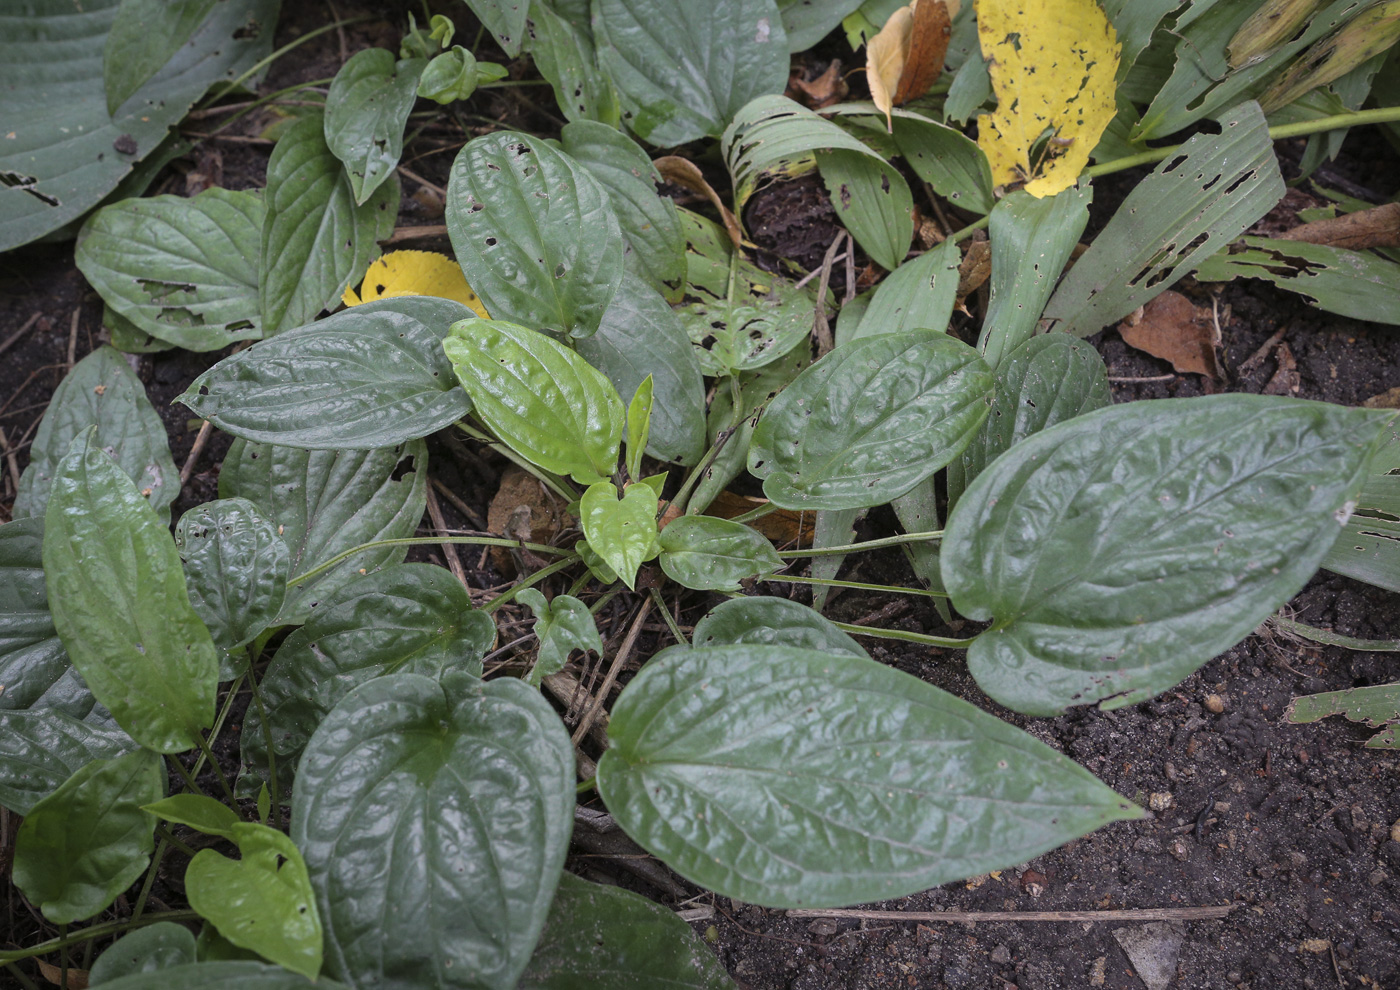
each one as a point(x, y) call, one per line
point(145, 35)
point(366, 111)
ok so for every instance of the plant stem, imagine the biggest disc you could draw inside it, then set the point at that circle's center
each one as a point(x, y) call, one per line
point(888, 589)
point(208, 754)
point(480, 541)
point(18, 974)
point(263, 101)
point(597, 606)
point(150, 879)
point(666, 616)
point(908, 637)
point(168, 837)
point(553, 481)
point(262, 63)
point(586, 785)
point(888, 541)
point(1329, 638)
point(534, 578)
point(94, 931)
point(766, 508)
point(219, 724)
point(274, 791)
point(185, 776)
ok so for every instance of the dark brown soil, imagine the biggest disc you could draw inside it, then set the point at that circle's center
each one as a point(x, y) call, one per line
point(1288, 825)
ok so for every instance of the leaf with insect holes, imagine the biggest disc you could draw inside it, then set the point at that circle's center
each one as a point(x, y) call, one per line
point(366, 111)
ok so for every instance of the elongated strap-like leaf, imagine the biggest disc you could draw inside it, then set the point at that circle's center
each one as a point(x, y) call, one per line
point(918, 295)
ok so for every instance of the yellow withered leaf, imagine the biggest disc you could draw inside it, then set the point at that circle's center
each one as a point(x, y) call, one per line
point(415, 273)
point(1053, 65)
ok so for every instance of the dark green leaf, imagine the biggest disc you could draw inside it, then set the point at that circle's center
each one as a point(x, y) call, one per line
point(809, 21)
point(460, 787)
point(367, 109)
point(918, 295)
point(598, 936)
point(145, 35)
point(101, 391)
point(235, 569)
point(1190, 207)
point(872, 200)
point(772, 621)
point(621, 531)
point(143, 952)
point(370, 376)
point(128, 338)
point(1118, 552)
point(789, 777)
point(870, 420)
point(88, 841)
point(641, 336)
point(408, 617)
point(118, 597)
point(534, 232)
point(711, 554)
point(830, 528)
point(315, 241)
point(40, 749)
point(946, 159)
point(326, 502)
point(564, 53)
point(549, 404)
point(183, 270)
point(69, 151)
point(561, 626)
point(684, 70)
point(236, 975)
point(655, 241)
point(505, 19)
point(262, 901)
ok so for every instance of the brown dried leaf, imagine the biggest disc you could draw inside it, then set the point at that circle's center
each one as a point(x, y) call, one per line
point(1286, 380)
point(1373, 228)
point(687, 175)
point(974, 269)
point(904, 59)
point(783, 526)
point(1175, 330)
point(822, 91)
point(77, 978)
point(523, 509)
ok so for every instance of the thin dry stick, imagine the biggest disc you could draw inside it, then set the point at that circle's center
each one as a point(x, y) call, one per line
point(14, 337)
point(401, 234)
point(468, 513)
point(10, 459)
point(73, 338)
point(822, 328)
point(449, 550)
point(1139, 381)
point(201, 438)
point(623, 652)
point(1127, 914)
point(423, 182)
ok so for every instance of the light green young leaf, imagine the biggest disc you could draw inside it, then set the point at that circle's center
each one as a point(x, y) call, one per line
point(315, 241)
point(638, 427)
point(143, 952)
point(621, 531)
point(534, 233)
point(145, 35)
point(458, 786)
point(104, 392)
point(182, 270)
point(366, 111)
point(561, 626)
point(203, 814)
point(751, 770)
point(117, 593)
point(766, 621)
point(711, 554)
point(455, 74)
point(41, 748)
point(870, 420)
point(88, 841)
point(684, 70)
point(235, 569)
point(1119, 551)
point(549, 404)
point(918, 295)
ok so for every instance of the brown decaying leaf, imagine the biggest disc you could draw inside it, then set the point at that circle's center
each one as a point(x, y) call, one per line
point(523, 509)
point(904, 59)
point(783, 526)
point(77, 978)
point(1174, 329)
point(822, 91)
point(1286, 380)
point(974, 269)
point(687, 175)
point(1374, 228)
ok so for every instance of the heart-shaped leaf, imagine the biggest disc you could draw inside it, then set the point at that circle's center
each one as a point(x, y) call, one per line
point(367, 109)
point(710, 554)
point(621, 531)
point(1118, 552)
point(534, 232)
point(41, 749)
point(772, 621)
point(870, 420)
point(117, 592)
point(460, 787)
point(370, 376)
point(325, 502)
point(788, 777)
point(85, 843)
point(562, 626)
point(182, 270)
point(143, 952)
point(548, 403)
point(235, 569)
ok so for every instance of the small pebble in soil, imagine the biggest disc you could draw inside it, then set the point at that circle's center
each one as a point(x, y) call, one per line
point(1180, 849)
point(1001, 955)
point(1215, 704)
point(1160, 801)
point(1395, 831)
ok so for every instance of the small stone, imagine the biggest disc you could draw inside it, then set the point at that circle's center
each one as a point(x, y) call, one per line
point(1179, 849)
point(1221, 807)
point(1297, 860)
point(824, 926)
point(1098, 971)
point(1215, 704)
point(1378, 877)
point(1395, 831)
point(1314, 945)
point(1160, 801)
point(1153, 950)
point(1358, 819)
point(1001, 955)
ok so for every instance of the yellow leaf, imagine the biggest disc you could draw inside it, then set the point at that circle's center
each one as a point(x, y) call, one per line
point(1053, 65)
point(884, 58)
point(415, 273)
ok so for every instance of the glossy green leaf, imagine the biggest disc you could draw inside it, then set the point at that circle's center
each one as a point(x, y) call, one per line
point(182, 270)
point(683, 71)
point(1368, 548)
point(325, 502)
point(872, 200)
point(535, 233)
point(766, 621)
point(505, 19)
point(455, 74)
point(1032, 240)
point(642, 337)
point(143, 952)
point(315, 241)
point(262, 901)
point(370, 376)
point(408, 617)
point(42, 748)
point(918, 295)
point(711, 554)
point(1049, 379)
point(1357, 284)
point(597, 936)
point(548, 403)
point(870, 420)
point(621, 531)
point(367, 109)
point(561, 626)
point(1118, 552)
point(564, 53)
point(460, 787)
point(1190, 207)
point(203, 814)
point(117, 593)
point(145, 35)
point(235, 569)
point(104, 392)
point(655, 241)
point(745, 334)
point(807, 22)
point(128, 338)
point(947, 159)
point(789, 777)
point(68, 151)
point(639, 426)
point(88, 841)
point(222, 975)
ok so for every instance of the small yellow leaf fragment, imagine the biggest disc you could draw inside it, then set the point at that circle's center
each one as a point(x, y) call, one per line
point(415, 273)
point(1053, 64)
